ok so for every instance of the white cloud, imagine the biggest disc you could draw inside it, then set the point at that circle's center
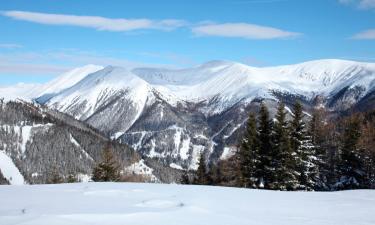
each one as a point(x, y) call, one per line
point(242, 30)
point(361, 4)
point(365, 35)
point(10, 46)
point(367, 4)
point(96, 22)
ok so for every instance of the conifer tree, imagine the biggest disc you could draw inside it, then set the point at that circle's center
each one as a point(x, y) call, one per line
point(201, 174)
point(303, 150)
point(185, 177)
point(72, 178)
point(249, 157)
point(108, 168)
point(265, 172)
point(320, 133)
point(283, 158)
point(55, 177)
point(350, 167)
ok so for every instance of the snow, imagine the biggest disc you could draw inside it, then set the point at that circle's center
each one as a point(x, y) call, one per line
point(20, 90)
point(83, 177)
point(141, 168)
point(83, 151)
point(26, 132)
point(9, 170)
point(69, 79)
point(175, 166)
point(228, 152)
point(195, 155)
point(30, 91)
point(184, 151)
point(163, 204)
point(177, 137)
point(92, 86)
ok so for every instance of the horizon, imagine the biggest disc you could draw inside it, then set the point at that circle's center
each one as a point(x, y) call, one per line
point(45, 39)
point(171, 67)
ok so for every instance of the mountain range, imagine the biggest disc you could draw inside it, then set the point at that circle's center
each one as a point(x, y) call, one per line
point(173, 115)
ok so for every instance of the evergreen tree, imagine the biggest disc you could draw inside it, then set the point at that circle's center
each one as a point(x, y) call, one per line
point(350, 167)
point(283, 158)
point(55, 177)
point(185, 177)
point(72, 178)
point(265, 172)
point(201, 174)
point(303, 150)
point(108, 168)
point(323, 136)
point(249, 157)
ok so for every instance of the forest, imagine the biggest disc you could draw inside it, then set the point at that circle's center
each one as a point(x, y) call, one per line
point(317, 152)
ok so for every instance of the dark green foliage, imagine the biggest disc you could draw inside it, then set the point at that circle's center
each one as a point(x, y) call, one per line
point(265, 147)
point(185, 178)
point(202, 176)
point(284, 163)
point(55, 177)
point(108, 168)
point(2, 179)
point(249, 157)
point(72, 178)
point(350, 166)
point(304, 151)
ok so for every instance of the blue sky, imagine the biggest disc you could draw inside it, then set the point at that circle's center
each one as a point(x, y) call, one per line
point(41, 39)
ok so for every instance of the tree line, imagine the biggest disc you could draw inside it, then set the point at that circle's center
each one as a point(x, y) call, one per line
point(303, 152)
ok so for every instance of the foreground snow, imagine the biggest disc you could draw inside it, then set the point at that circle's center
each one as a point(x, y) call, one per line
point(153, 204)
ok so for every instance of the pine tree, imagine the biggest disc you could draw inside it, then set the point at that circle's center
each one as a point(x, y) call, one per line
point(185, 177)
point(201, 173)
point(108, 168)
point(304, 150)
point(350, 167)
point(283, 158)
point(265, 172)
point(55, 177)
point(249, 157)
point(72, 178)
point(323, 137)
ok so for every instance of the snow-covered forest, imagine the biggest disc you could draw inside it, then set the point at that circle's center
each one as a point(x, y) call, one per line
point(304, 152)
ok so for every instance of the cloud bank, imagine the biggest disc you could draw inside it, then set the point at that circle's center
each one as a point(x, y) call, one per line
point(242, 30)
point(365, 35)
point(361, 4)
point(96, 22)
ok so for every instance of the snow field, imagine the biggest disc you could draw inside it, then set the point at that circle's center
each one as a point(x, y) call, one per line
point(163, 204)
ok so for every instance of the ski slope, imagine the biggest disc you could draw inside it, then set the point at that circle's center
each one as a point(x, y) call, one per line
point(163, 204)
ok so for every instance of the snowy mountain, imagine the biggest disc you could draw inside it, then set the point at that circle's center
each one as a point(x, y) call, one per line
point(175, 114)
point(35, 141)
point(30, 91)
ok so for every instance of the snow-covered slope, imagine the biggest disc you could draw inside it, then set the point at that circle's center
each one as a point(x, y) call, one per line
point(231, 79)
point(47, 90)
point(228, 82)
point(21, 90)
point(9, 170)
point(67, 80)
point(158, 204)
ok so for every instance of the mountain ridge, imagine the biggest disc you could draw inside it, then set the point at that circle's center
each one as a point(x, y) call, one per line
point(175, 115)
